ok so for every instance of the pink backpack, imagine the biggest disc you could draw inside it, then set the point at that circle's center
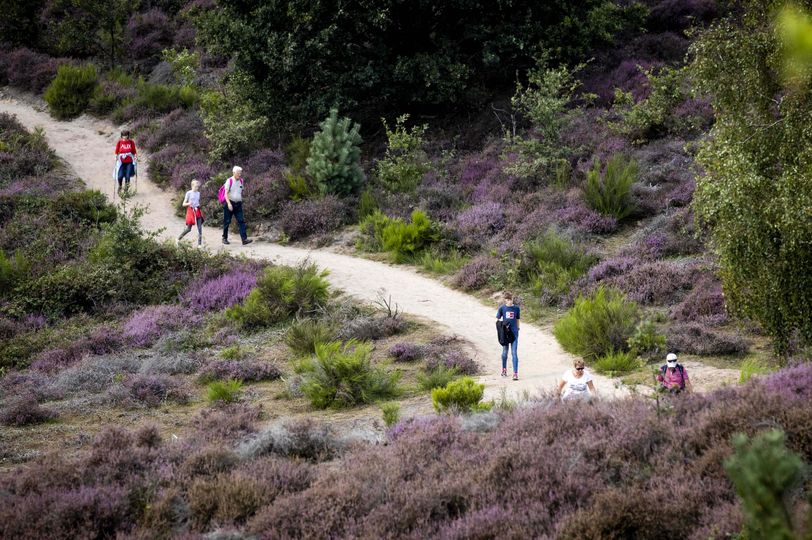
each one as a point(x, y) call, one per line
point(221, 194)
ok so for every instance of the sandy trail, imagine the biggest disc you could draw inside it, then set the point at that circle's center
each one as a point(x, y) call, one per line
point(87, 145)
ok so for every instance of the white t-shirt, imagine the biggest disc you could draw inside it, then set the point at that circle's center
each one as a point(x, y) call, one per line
point(575, 388)
point(235, 191)
point(194, 198)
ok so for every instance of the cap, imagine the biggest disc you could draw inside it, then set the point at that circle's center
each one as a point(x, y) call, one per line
point(671, 360)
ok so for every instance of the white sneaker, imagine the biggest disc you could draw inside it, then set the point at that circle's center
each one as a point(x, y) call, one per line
point(177, 242)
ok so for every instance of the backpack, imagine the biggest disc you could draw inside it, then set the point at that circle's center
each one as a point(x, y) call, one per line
point(681, 372)
point(221, 194)
point(504, 333)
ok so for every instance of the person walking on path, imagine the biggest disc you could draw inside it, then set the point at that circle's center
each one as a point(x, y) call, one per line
point(232, 206)
point(193, 214)
point(126, 156)
point(576, 383)
point(673, 377)
point(510, 313)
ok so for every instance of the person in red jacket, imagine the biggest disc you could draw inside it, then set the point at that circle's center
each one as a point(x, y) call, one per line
point(125, 157)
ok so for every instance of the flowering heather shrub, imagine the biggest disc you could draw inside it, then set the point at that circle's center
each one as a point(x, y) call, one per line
point(479, 223)
point(24, 384)
point(658, 283)
point(150, 390)
point(264, 161)
point(371, 328)
point(162, 163)
point(460, 362)
point(94, 375)
point(439, 198)
point(303, 439)
point(147, 34)
point(215, 293)
point(478, 273)
point(611, 267)
point(145, 326)
point(694, 338)
point(193, 168)
point(705, 303)
point(181, 127)
point(228, 421)
point(627, 76)
point(305, 218)
point(24, 411)
point(269, 194)
point(102, 341)
point(585, 219)
point(30, 71)
point(406, 352)
point(242, 370)
point(170, 364)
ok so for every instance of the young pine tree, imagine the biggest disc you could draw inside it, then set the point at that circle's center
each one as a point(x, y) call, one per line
point(335, 157)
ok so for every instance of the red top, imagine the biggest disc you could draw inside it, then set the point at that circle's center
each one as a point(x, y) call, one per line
point(126, 146)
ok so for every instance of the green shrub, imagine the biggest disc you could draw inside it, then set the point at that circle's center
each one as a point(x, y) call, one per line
point(282, 292)
point(335, 156)
point(296, 152)
point(371, 228)
point(391, 413)
point(765, 474)
point(750, 367)
point(405, 240)
point(611, 195)
point(235, 352)
point(69, 93)
point(615, 363)
point(164, 98)
point(232, 125)
point(462, 395)
point(436, 378)
point(83, 207)
point(224, 391)
point(646, 341)
point(13, 270)
point(184, 64)
point(367, 205)
point(598, 325)
point(405, 163)
point(342, 375)
point(304, 335)
point(551, 263)
point(442, 263)
point(300, 187)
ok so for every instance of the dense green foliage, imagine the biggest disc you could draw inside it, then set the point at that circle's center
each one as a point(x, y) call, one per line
point(303, 336)
point(282, 292)
point(461, 395)
point(406, 239)
point(224, 391)
point(391, 413)
point(342, 375)
point(598, 325)
point(304, 58)
point(756, 196)
point(233, 126)
point(334, 159)
point(405, 162)
point(764, 473)
point(551, 263)
point(615, 363)
point(610, 193)
point(71, 90)
point(647, 341)
point(438, 377)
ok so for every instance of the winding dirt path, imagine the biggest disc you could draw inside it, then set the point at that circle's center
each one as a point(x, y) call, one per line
point(87, 144)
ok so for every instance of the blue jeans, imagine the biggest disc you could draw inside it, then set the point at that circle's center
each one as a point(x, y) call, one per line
point(513, 346)
point(125, 172)
point(237, 213)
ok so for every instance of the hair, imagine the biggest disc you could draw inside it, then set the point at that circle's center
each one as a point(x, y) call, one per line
point(126, 133)
point(578, 362)
point(508, 295)
point(196, 181)
point(236, 169)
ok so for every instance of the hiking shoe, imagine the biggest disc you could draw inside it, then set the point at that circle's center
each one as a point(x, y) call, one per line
point(515, 376)
point(225, 241)
point(504, 373)
point(246, 241)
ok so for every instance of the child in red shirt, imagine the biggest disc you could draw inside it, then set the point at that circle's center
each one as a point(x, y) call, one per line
point(125, 158)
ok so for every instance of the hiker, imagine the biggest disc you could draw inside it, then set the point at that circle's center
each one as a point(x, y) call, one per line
point(126, 156)
point(232, 204)
point(576, 383)
point(510, 314)
point(193, 214)
point(673, 377)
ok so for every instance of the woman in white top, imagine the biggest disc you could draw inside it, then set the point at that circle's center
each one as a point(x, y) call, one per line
point(576, 383)
point(193, 214)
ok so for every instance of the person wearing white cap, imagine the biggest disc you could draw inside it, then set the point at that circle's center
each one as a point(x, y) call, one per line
point(673, 376)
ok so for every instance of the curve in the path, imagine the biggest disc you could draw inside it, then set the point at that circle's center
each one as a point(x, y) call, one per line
point(87, 144)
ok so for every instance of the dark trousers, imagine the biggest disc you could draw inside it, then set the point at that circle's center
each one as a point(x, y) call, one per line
point(237, 213)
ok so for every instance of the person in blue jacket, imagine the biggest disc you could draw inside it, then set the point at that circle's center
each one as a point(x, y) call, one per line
point(510, 313)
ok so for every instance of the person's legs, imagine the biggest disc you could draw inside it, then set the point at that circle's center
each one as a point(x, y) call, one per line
point(185, 232)
point(226, 220)
point(513, 349)
point(199, 222)
point(504, 356)
point(129, 169)
point(121, 175)
point(240, 220)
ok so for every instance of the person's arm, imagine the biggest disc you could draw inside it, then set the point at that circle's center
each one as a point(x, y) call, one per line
point(518, 318)
point(186, 201)
point(591, 387)
point(228, 201)
point(688, 386)
point(499, 313)
point(118, 143)
point(561, 384)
